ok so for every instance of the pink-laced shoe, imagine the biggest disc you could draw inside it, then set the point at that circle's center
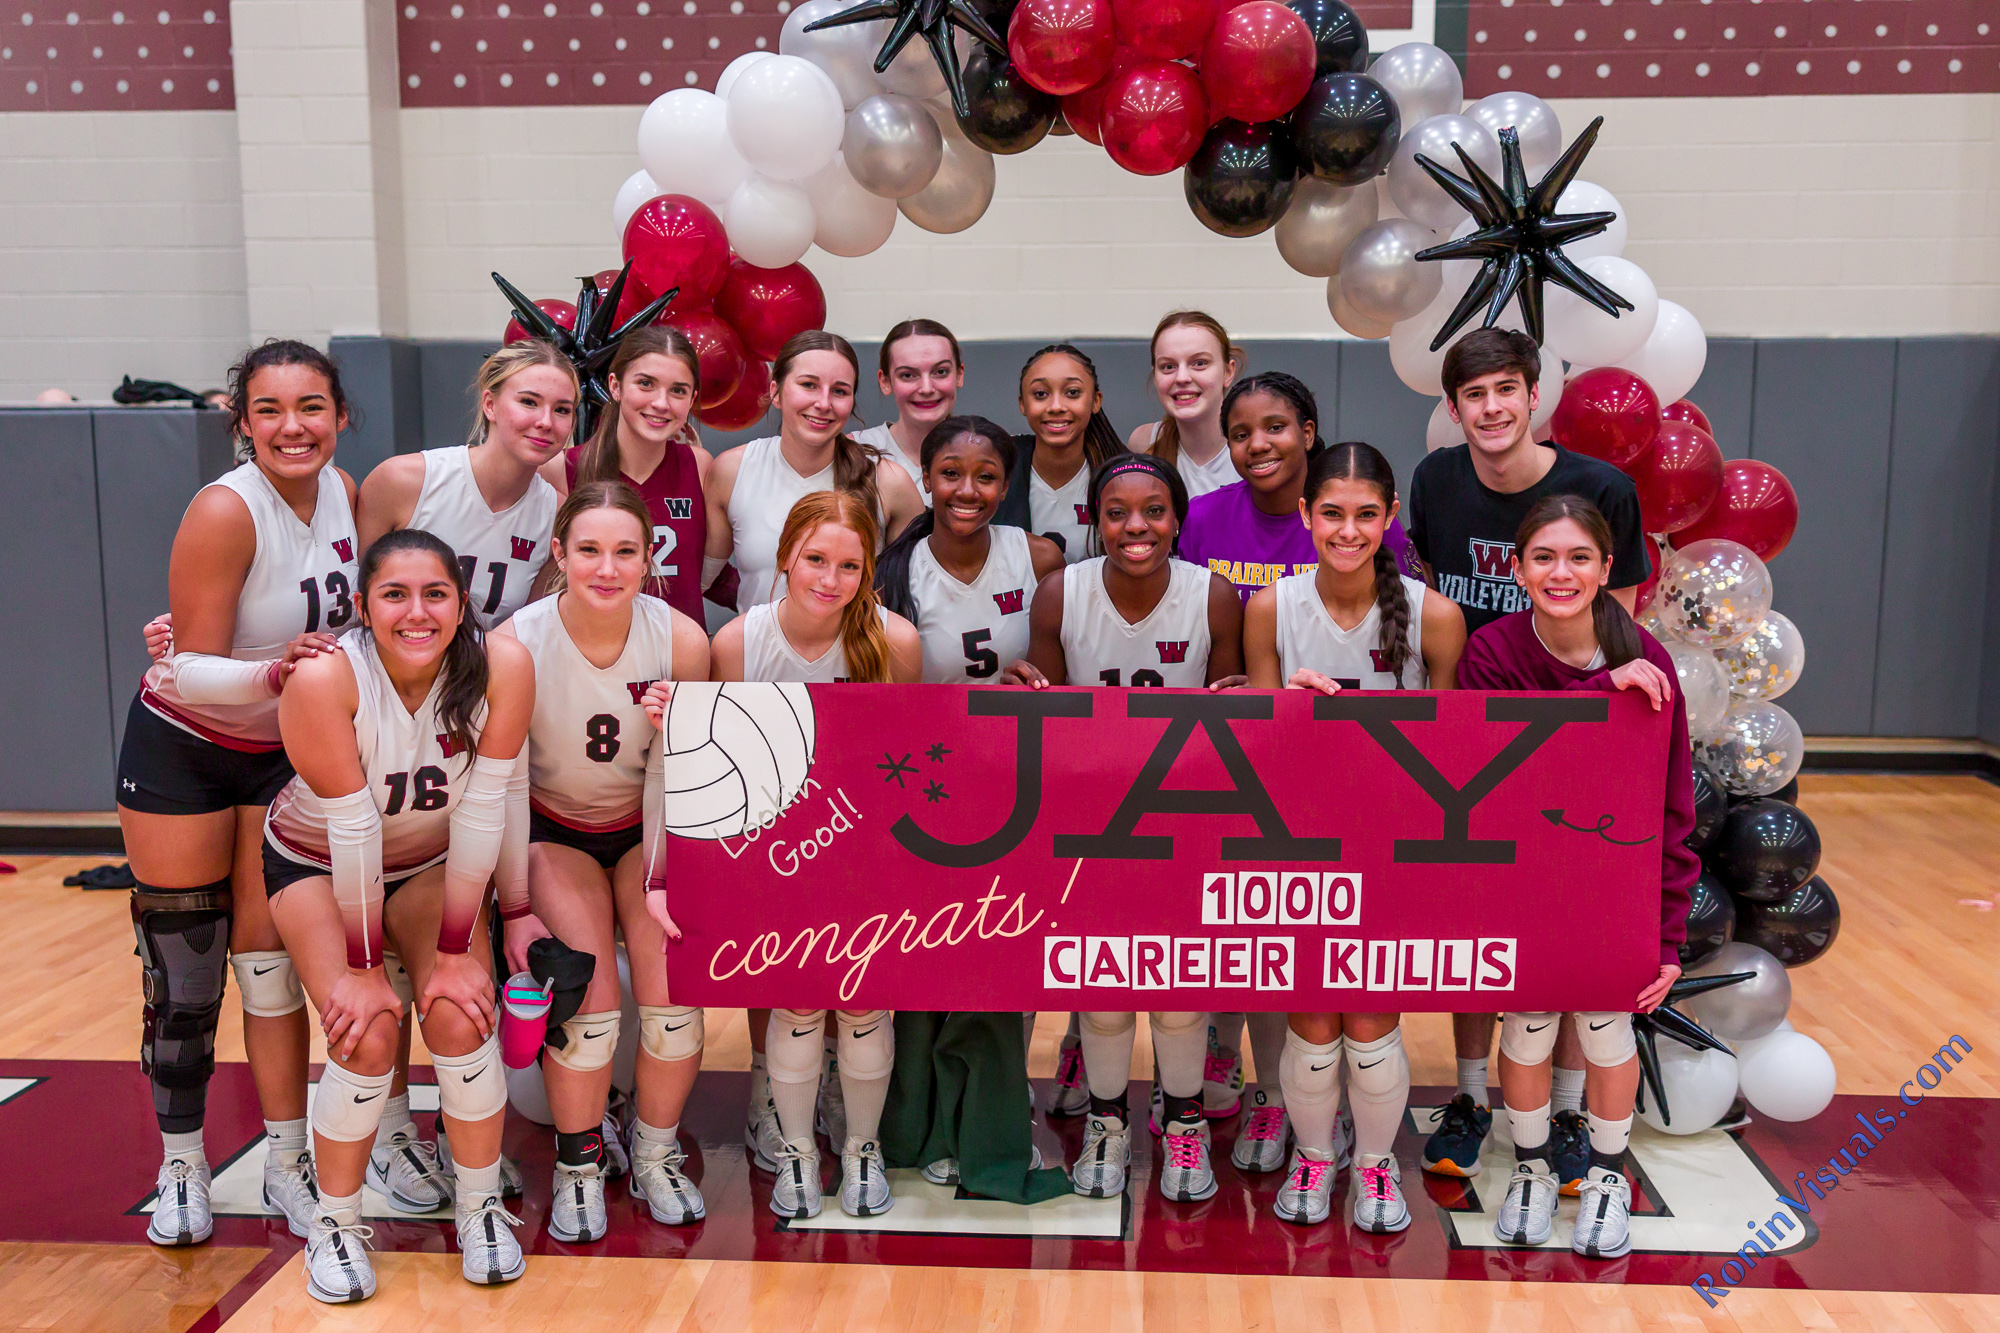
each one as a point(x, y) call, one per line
point(1261, 1143)
point(1221, 1084)
point(1307, 1195)
point(1378, 1197)
point(1186, 1174)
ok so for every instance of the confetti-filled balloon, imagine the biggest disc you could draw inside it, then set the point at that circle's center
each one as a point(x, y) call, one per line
point(1713, 594)
point(1768, 662)
point(1756, 750)
point(1703, 685)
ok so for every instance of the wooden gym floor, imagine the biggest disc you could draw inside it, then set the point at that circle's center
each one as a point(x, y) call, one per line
point(1912, 859)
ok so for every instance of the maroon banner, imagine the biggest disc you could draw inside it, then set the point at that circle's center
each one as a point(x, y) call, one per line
point(946, 847)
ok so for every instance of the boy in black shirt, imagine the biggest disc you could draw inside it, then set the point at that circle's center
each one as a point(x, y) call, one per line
point(1464, 506)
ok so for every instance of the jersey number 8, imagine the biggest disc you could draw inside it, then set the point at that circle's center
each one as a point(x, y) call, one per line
point(603, 743)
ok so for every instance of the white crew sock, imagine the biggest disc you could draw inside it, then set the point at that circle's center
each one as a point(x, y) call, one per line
point(1531, 1127)
point(286, 1138)
point(1566, 1089)
point(395, 1120)
point(650, 1143)
point(1609, 1137)
point(476, 1184)
point(346, 1210)
point(1472, 1080)
point(185, 1147)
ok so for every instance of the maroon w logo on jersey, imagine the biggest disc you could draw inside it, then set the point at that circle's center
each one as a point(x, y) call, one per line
point(523, 548)
point(1083, 513)
point(679, 506)
point(344, 548)
point(638, 688)
point(448, 745)
point(1009, 602)
point(1489, 559)
point(1173, 652)
point(1379, 660)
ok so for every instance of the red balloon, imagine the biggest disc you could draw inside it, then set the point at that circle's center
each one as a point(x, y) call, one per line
point(1257, 62)
point(675, 241)
point(1061, 46)
point(562, 312)
point(769, 305)
point(747, 406)
point(1154, 117)
point(1682, 410)
point(1082, 110)
point(1757, 507)
point(1678, 478)
point(720, 350)
point(1607, 413)
point(1656, 553)
point(635, 297)
point(1164, 29)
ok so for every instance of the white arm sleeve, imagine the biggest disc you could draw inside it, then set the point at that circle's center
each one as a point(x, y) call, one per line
point(711, 568)
point(653, 809)
point(354, 850)
point(478, 827)
point(510, 874)
point(203, 678)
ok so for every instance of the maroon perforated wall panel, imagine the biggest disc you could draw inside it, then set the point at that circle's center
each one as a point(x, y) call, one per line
point(115, 55)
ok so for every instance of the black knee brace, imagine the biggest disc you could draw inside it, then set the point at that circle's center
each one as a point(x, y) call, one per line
point(184, 944)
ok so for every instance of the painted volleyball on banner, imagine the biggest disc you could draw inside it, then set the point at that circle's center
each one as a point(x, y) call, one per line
point(737, 755)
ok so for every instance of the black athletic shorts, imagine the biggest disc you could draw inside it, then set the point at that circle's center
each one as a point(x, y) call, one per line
point(607, 846)
point(163, 770)
point(281, 872)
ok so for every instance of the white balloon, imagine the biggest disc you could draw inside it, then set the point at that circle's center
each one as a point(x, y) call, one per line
point(1348, 317)
point(847, 53)
point(636, 190)
point(847, 220)
point(1548, 393)
point(727, 80)
point(1409, 343)
point(1699, 1085)
point(1787, 1076)
point(1442, 432)
point(684, 145)
point(1532, 118)
point(1703, 686)
point(1583, 197)
point(770, 223)
point(786, 117)
point(1673, 355)
point(1585, 335)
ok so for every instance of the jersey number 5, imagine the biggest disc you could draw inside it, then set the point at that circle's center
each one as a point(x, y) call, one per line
point(979, 662)
point(430, 791)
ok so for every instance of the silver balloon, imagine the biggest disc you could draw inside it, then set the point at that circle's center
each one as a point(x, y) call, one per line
point(1756, 749)
point(958, 195)
point(1713, 593)
point(1768, 662)
point(1423, 80)
point(1348, 317)
point(892, 146)
point(1702, 685)
point(1532, 118)
point(1321, 222)
point(1699, 1087)
point(1411, 187)
point(847, 54)
point(1748, 1009)
point(1380, 275)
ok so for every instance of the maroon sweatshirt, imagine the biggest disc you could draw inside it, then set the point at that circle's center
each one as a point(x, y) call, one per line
point(1508, 655)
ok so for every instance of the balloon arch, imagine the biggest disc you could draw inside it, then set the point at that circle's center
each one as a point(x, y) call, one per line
point(1279, 120)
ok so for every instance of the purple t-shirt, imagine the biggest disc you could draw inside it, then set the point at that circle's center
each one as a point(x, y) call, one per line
point(1228, 533)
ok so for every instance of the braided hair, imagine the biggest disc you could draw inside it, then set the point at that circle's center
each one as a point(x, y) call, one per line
point(1100, 438)
point(1123, 464)
point(1351, 460)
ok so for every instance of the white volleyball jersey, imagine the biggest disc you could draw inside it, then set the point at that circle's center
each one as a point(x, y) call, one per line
point(1168, 647)
point(885, 440)
point(500, 552)
point(769, 655)
point(415, 778)
point(1201, 478)
point(590, 738)
point(1062, 514)
point(766, 489)
point(302, 579)
point(971, 631)
point(1308, 638)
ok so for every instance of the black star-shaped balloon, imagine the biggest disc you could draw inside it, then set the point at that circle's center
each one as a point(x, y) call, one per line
point(934, 19)
point(593, 344)
point(1520, 236)
point(1671, 1021)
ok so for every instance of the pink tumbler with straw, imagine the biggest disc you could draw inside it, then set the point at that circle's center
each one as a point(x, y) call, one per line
point(524, 1020)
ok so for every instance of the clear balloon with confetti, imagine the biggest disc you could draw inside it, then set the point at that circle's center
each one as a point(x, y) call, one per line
point(1756, 749)
point(1767, 662)
point(1713, 593)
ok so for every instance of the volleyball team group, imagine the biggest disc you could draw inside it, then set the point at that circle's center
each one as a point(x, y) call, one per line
point(381, 716)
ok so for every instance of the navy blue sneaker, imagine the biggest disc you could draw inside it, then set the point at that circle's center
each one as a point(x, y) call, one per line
point(1569, 1150)
point(1453, 1149)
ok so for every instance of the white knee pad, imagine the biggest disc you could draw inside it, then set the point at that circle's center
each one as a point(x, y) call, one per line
point(399, 979)
point(1108, 1024)
point(671, 1033)
point(471, 1087)
point(1309, 1073)
point(593, 1040)
point(348, 1106)
point(1528, 1039)
point(269, 982)
point(1379, 1068)
point(1606, 1039)
point(793, 1051)
point(867, 1044)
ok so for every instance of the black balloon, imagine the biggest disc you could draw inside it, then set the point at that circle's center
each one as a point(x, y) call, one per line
point(1789, 793)
point(1711, 806)
point(1004, 112)
point(1766, 850)
point(1796, 928)
point(1241, 178)
point(1711, 921)
point(1338, 37)
point(591, 346)
point(1345, 129)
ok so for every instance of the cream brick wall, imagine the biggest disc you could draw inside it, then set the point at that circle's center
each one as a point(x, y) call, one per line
point(1808, 216)
point(121, 250)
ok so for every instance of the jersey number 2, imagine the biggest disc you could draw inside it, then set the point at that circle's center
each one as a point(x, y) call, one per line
point(430, 791)
point(337, 590)
point(665, 539)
